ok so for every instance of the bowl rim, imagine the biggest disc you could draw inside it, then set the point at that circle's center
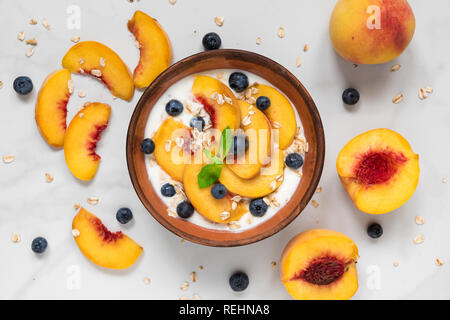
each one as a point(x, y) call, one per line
point(318, 129)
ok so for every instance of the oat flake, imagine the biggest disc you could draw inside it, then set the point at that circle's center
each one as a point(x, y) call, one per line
point(281, 32)
point(439, 262)
point(219, 20)
point(419, 239)
point(75, 39)
point(21, 36)
point(93, 200)
point(8, 159)
point(419, 220)
point(48, 178)
point(398, 98)
point(75, 233)
point(15, 238)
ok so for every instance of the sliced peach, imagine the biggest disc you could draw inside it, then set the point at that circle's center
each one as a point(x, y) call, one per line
point(101, 246)
point(267, 182)
point(320, 265)
point(51, 107)
point(379, 170)
point(220, 211)
point(98, 60)
point(258, 133)
point(280, 113)
point(213, 95)
point(81, 139)
point(154, 46)
point(170, 156)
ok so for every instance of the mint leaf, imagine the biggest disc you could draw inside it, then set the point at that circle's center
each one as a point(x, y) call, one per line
point(225, 142)
point(208, 175)
point(212, 157)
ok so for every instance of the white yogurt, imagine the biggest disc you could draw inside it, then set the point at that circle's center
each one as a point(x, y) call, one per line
point(181, 91)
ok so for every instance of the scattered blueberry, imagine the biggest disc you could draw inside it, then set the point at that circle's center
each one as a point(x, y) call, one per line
point(147, 146)
point(211, 41)
point(238, 81)
point(238, 144)
point(262, 103)
point(350, 96)
point(168, 190)
point(219, 191)
point(239, 281)
point(39, 245)
point(185, 210)
point(23, 85)
point(197, 122)
point(124, 215)
point(294, 160)
point(375, 231)
point(174, 107)
point(258, 207)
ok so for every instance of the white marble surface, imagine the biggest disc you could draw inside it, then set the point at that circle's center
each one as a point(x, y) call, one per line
point(31, 207)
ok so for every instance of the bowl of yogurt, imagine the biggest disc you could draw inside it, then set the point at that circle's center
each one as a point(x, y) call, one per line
point(225, 148)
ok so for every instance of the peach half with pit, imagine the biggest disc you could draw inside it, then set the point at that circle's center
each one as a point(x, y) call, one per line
point(320, 264)
point(113, 250)
point(379, 170)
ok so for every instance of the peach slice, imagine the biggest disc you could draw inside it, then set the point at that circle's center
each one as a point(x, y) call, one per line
point(81, 139)
point(267, 182)
point(219, 102)
point(51, 107)
point(220, 211)
point(101, 246)
point(379, 170)
point(258, 133)
point(320, 265)
point(100, 61)
point(280, 113)
point(154, 46)
point(171, 158)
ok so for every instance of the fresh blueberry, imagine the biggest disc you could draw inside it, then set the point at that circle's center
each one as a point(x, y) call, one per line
point(211, 41)
point(219, 191)
point(240, 144)
point(147, 146)
point(258, 207)
point(262, 103)
point(168, 190)
point(124, 215)
point(294, 160)
point(375, 231)
point(39, 245)
point(23, 85)
point(197, 122)
point(185, 210)
point(350, 96)
point(174, 107)
point(238, 81)
point(239, 281)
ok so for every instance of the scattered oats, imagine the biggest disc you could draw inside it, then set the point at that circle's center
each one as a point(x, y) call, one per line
point(102, 62)
point(246, 121)
point(236, 198)
point(444, 180)
point(234, 205)
point(137, 44)
point(8, 159)
point(220, 99)
point(225, 215)
point(81, 70)
point(185, 285)
point(30, 52)
point(48, 178)
point(395, 68)
point(298, 62)
point(200, 267)
point(305, 48)
point(273, 264)
point(398, 98)
point(193, 276)
point(228, 99)
point(419, 239)
point(81, 61)
point(249, 219)
point(395, 264)
point(81, 94)
point(172, 2)
point(93, 200)
point(179, 142)
point(276, 125)
point(81, 114)
point(70, 86)
point(428, 89)
point(219, 75)
point(77, 206)
point(96, 73)
point(279, 178)
point(33, 21)
point(219, 20)
point(355, 66)
point(258, 41)
point(147, 280)
point(315, 203)
point(1, 84)
point(168, 145)
point(183, 298)
point(233, 225)
point(182, 241)
point(439, 262)
point(15, 237)
point(254, 90)
point(281, 32)
point(32, 42)
point(319, 189)
point(273, 185)
point(266, 201)
point(75, 39)
point(423, 94)
point(21, 36)
point(75, 233)
point(195, 296)
point(46, 24)
point(419, 220)
point(172, 214)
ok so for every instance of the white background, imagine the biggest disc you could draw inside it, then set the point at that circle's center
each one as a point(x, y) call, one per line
point(31, 207)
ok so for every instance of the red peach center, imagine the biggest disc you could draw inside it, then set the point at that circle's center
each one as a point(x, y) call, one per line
point(322, 271)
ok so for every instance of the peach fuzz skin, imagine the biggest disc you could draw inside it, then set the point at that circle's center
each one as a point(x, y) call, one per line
point(355, 42)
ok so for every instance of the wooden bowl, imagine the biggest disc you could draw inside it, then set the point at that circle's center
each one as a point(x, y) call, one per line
point(280, 78)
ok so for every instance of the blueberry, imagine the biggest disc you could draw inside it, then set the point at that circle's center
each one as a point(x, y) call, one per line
point(185, 210)
point(211, 41)
point(174, 107)
point(238, 81)
point(124, 215)
point(350, 96)
point(197, 122)
point(258, 207)
point(240, 144)
point(147, 146)
point(23, 85)
point(39, 245)
point(294, 160)
point(375, 231)
point(239, 281)
point(219, 191)
point(168, 190)
point(262, 103)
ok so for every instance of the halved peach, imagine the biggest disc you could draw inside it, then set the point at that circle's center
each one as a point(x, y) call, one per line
point(258, 133)
point(81, 139)
point(267, 182)
point(320, 265)
point(154, 46)
point(220, 211)
point(379, 170)
point(98, 60)
point(280, 113)
point(219, 102)
point(101, 246)
point(51, 107)
point(169, 153)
